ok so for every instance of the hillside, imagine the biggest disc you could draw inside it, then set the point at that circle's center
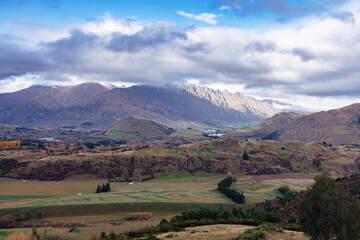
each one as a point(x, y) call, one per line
point(338, 126)
point(97, 107)
point(234, 101)
point(138, 127)
point(277, 123)
point(212, 156)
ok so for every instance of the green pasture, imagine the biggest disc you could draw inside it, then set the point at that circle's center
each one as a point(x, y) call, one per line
point(267, 190)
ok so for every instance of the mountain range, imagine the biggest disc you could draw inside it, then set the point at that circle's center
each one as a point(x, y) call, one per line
point(94, 106)
point(337, 126)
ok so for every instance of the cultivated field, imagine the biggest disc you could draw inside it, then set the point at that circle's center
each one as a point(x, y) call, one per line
point(163, 197)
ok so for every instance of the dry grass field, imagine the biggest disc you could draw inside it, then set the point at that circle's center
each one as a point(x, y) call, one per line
point(225, 232)
point(163, 197)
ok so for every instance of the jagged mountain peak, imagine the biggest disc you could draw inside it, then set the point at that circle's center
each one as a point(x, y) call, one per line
point(236, 101)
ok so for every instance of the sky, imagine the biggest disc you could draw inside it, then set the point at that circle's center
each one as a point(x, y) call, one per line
point(305, 53)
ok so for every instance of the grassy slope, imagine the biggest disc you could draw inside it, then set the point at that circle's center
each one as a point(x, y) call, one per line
point(267, 190)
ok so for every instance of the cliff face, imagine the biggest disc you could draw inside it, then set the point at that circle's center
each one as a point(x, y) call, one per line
point(236, 101)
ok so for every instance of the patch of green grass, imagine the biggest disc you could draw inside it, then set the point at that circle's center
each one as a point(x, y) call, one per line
point(21, 197)
point(4, 233)
point(110, 208)
point(121, 135)
point(266, 190)
point(173, 176)
point(184, 177)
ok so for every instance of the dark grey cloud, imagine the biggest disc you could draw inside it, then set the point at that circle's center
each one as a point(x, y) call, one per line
point(260, 47)
point(303, 53)
point(70, 50)
point(151, 36)
point(197, 47)
point(16, 61)
point(283, 9)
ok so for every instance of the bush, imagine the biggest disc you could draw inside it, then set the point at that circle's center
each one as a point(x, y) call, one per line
point(139, 217)
point(245, 156)
point(284, 189)
point(7, 222)
point(255, 233)
point(326, 212)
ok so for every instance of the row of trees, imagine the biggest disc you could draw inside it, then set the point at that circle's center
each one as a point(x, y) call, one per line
point(103, 188)
point(10, 144)
point(224, 187)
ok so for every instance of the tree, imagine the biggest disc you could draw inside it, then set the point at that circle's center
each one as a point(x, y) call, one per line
point(108, 187)
point(327, 212)
point(245, 156)
point(98, 189)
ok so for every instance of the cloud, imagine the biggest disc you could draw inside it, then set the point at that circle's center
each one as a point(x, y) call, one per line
point(347, 17)
point(205, 17)
point(224, 8)
point(107, 25)
point(152, 35)
point(16, 61)
point(302, 61)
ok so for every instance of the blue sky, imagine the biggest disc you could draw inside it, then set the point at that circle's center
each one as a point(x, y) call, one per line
point(305, 53)
point(253, 14)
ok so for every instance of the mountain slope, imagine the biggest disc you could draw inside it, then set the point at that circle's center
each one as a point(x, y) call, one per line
point(69, 96)
point(234, 101)
point(100, 107)
point(339, 126)
point(277, 123)
point(139, 127)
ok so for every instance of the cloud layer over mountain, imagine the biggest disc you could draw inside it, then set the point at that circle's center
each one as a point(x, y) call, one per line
point(311, 59)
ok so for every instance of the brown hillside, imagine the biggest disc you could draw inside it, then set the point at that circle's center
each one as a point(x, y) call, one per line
point(278, 122)
point(339, 126)
point(140, 126)
point(215, 156)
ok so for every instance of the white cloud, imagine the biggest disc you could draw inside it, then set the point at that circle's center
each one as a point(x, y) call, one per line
point(205, 17)
point(224, 8)
point(314, 63)
point(107, 25)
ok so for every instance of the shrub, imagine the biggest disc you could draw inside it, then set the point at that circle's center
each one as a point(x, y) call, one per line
point(326, 212)
point(284, 189)
point(139, 217)
point(245, 156)
point(7, 222)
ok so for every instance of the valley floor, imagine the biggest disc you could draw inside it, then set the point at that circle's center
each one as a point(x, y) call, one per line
point(163, 197)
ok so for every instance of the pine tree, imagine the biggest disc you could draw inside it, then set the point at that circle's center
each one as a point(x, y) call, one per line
point(98, 189)
point(245, 155)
